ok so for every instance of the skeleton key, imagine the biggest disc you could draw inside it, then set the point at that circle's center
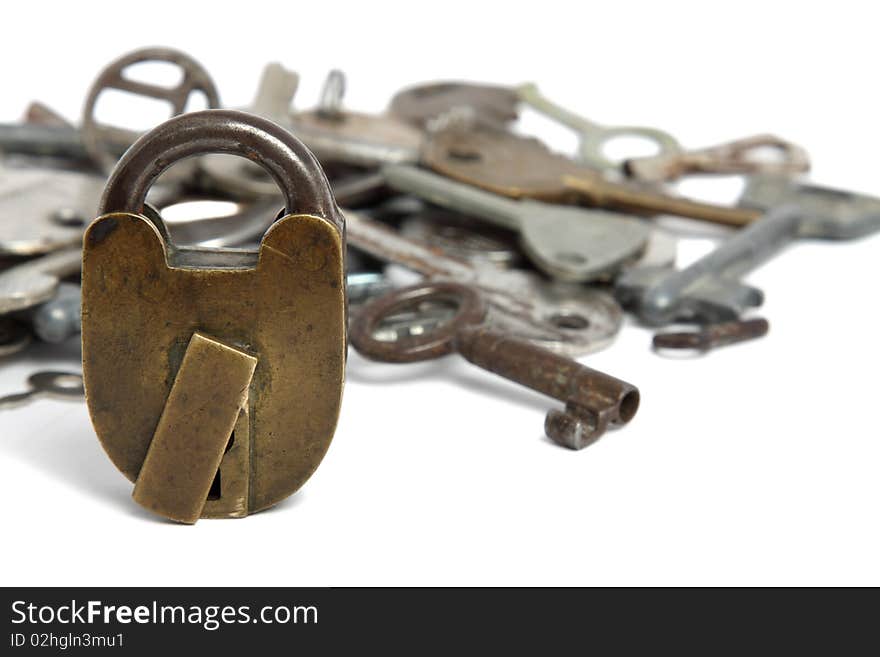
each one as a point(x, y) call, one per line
point(708, 288)
point(735, 157)
point(522, 167)
point(593, 136)
point(105, 143)
point(593, 400)
point(571, 244)
point(565, 318)
point(66, 385)
point(339, 135)
point(422, 105)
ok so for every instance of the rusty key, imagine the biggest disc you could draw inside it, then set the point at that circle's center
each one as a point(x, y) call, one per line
point(523, 167)
point(593, 400)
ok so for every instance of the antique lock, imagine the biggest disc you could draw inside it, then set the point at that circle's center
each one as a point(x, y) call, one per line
point(214, 376)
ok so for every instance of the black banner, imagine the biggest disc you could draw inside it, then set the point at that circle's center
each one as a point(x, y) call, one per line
point(259, 621)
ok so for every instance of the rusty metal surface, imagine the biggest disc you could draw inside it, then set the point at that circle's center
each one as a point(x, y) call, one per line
point(593, 400)
point(144, 298)
point(523, 167)
point(741, 156)
point(104, 143)
point(713, 336)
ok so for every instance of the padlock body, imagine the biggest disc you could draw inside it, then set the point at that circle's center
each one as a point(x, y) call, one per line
point(143, 301)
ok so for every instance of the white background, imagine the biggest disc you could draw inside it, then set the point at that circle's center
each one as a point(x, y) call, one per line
point(753, 465)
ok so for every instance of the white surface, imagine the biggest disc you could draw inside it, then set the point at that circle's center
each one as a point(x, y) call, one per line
point(754, 465)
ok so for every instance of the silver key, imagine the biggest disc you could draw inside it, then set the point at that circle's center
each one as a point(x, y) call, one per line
point(64, 385)
point(569, 243)
point(593, 137)
point(567, 318)
point(709, 289)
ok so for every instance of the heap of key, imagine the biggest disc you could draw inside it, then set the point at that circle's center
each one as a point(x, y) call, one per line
point(528, 258)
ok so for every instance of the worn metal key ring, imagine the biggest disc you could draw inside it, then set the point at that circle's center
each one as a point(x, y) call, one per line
point(282, 155)
point(470, 311)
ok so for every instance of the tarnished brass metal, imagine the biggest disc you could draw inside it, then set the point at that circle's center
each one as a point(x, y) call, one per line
point(145, 298)
point(196, 424)
point(522, 167)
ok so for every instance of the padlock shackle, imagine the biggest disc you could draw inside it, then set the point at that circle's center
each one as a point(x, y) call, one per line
point(283, 156)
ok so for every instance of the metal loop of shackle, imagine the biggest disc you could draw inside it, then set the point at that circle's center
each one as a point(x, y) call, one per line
point(470, 311)
point(283, 156)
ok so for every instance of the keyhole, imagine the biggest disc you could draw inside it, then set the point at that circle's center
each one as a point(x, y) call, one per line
point(214, 492)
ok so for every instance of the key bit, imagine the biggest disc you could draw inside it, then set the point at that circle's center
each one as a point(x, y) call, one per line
point(713, 336)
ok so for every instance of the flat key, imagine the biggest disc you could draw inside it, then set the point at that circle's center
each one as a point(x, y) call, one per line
point(522, 167)
point(814, 212)
point(571, 244)
point(566, 318)
point(593, 400)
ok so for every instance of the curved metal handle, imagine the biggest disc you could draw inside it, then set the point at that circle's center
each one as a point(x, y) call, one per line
point(283, 156)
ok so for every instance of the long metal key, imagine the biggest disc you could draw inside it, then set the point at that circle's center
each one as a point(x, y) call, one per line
point(593, 400)
point(593, 137)
point(708, 290)
point(566, 318)
point(522, 167)
point(571, 244)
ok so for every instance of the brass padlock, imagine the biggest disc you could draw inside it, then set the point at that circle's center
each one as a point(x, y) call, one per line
point(214, 376)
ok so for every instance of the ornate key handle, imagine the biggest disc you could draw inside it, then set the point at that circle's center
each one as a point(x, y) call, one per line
point(735, 157)
point(101, 140)
point(593, 400)
point(290, 164)
point(470, 310)
point(593, 136)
